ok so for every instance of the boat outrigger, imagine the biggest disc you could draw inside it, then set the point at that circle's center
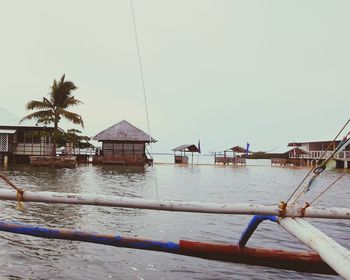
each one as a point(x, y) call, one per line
point(330, 257)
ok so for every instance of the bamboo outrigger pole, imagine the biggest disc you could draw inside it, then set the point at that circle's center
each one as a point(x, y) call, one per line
point(329, 250)
point(180, 206)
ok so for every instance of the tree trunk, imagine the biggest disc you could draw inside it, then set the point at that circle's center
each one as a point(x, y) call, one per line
point(53, 151)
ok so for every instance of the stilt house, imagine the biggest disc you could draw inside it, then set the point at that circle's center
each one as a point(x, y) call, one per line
point(317, 149)
point(18, 143)
point(289, 156)
point(180, 153)
point(232, 155)
point(123, 144)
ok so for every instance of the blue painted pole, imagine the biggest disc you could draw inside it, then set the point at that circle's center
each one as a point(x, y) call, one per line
point(252, 226)
point(106, 239)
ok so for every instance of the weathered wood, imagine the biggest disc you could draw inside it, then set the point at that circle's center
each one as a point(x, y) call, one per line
point(138, 160)
point(181, 159)
point(278, 161)
point(53, 161)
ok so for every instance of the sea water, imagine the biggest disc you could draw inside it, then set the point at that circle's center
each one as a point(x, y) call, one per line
point(25, 257)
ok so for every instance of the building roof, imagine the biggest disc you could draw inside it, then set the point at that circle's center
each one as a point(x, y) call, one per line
point(296, 144)
point(239, 149)
point(286, 150)
point(123, 131)
point(10, 129)
point(186, 148)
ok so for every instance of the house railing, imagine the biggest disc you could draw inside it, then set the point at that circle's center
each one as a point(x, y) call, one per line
point(228, 160)
point(317, 154)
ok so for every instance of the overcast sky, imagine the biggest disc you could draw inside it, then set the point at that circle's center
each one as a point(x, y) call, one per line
point(227, 72)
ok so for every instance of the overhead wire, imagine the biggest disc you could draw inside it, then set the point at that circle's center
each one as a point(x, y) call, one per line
point(326, 189)
point(143, 88)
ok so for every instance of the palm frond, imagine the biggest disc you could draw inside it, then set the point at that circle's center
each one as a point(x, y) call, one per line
point(71, 101)
point(44, 114)
point(48, 102)
point(60, 91)
point(34, 104)
point(73, 117)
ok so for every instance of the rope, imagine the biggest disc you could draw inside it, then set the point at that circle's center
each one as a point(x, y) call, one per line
point(319, 167)
point(326, 189)
point(19, 191)
point(143, 88)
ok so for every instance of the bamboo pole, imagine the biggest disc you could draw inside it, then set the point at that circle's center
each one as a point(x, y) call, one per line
point(180, 206)
point(329, 250)
point(293, 260)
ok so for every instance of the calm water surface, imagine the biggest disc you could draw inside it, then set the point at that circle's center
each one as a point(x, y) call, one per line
point(23, 257)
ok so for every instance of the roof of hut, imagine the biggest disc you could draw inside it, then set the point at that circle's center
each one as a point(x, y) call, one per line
point(123, 131)
point(238, 149)
point(286, 150)
point(186, 148)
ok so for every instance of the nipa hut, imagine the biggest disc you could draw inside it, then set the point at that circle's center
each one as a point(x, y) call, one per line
point(234, 155)
point(183, 149)
point(18, 142)
point(123, 144)
point(295, 156)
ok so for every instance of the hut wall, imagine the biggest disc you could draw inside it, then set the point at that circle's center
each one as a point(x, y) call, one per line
point(38, 149)
point(110, 148)
point(181, 159)
point(121, 159)
point(29, 144)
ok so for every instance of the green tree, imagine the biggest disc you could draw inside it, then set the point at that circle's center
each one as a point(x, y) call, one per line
point(52, 109)
point(74, 137)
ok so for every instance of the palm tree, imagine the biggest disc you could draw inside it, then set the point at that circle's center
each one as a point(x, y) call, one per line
point(53, 108)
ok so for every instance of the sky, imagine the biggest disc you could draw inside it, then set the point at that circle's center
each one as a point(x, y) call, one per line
point(226, 72)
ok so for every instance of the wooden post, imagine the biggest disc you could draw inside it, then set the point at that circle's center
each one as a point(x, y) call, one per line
point(5, 160)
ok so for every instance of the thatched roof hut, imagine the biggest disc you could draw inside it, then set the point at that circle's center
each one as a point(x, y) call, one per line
point(123, 131)
point(182, 158)
point(186, 148)
point(239, 149)
point(124, 144)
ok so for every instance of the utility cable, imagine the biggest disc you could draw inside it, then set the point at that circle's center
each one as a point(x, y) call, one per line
point(326, 189)
point(143, 89)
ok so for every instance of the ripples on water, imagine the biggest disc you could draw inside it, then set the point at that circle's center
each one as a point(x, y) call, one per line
point(24, 257)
